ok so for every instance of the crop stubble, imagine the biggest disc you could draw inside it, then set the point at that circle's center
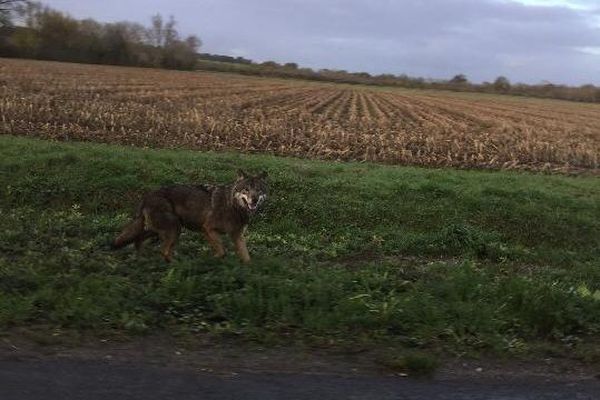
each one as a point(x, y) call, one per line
point(197, 110)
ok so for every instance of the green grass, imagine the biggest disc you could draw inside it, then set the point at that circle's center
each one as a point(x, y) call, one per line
point(343, 252)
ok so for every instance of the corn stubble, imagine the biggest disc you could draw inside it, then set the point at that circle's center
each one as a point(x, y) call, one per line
point(212, 111)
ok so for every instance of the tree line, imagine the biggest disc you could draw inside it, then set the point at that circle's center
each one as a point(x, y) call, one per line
point(48, 34)
point(458, 83)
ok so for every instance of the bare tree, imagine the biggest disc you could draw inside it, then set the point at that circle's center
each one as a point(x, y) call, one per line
point(51, 34)
point(171, 36)
point(7, 5)
point(460, 79)
point(502, 84)
point(6, 9)
point(156, 31)
point(193, 42)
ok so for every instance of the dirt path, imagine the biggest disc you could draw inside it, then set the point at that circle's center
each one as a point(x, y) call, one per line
point(78, 379)
point(159, 368)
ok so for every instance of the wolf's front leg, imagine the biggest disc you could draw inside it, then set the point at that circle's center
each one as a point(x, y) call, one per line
point(214, 240)
point(240, 247)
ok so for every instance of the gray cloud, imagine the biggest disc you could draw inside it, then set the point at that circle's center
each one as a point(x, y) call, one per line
point(433, 38)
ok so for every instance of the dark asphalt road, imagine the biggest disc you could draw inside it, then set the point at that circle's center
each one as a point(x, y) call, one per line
point(90, 380)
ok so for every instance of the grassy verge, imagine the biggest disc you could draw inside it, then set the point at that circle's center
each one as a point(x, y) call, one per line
point(349, 253)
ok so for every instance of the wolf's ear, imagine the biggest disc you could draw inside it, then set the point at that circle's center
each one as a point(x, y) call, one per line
point(263, 175)
point(241, 174)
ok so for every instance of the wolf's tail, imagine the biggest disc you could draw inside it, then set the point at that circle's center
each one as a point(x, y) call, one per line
point(130, 233)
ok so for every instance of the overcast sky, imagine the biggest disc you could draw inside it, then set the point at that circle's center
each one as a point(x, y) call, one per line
point(525, 40)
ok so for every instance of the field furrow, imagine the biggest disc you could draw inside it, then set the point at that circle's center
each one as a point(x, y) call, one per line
point(211, 111)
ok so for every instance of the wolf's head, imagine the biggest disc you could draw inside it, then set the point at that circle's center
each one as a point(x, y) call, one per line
point(250, 191)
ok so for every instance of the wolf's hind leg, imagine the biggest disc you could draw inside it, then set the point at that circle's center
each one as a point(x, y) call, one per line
point(167, 226)
point(139, 241)
point(168, 238)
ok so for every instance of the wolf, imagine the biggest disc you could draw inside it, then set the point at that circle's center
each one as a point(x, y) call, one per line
point(210, 209)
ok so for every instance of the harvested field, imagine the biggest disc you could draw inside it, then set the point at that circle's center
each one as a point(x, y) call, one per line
point(212, 111)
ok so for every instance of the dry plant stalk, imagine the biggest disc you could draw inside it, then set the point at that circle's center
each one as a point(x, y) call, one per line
point(215, 111)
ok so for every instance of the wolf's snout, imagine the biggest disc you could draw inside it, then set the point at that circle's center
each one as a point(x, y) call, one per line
point(253, 204)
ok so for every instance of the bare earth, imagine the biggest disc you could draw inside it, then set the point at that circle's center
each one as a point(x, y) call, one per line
point(157, 368)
